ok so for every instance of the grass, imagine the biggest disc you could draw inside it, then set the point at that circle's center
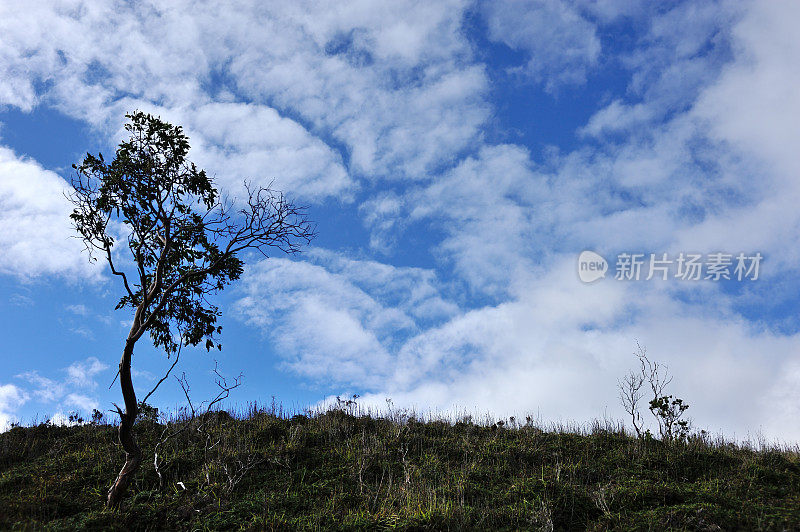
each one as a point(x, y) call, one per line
point(347, 470)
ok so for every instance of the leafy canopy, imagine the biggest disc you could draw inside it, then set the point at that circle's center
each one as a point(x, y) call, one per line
point(183, 239)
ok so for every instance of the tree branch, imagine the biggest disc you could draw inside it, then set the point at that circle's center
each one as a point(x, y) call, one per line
point(119, 273)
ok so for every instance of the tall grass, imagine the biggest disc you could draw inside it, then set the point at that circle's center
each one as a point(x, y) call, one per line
point(345, 467)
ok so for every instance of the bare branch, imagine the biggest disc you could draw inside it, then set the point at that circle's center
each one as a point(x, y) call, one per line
point(184, 383)
point(225, 388)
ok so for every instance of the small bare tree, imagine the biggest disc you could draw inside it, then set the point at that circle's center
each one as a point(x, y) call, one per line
point(630, 393)
point(666, 409)
point(185, 244)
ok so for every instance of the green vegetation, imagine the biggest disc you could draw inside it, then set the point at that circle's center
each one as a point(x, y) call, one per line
point(343, 469)
point(184, 241)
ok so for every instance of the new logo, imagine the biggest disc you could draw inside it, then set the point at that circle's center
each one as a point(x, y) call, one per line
point(591, 266)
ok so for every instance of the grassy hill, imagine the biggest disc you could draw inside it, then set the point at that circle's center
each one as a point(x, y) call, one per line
point(336, 470)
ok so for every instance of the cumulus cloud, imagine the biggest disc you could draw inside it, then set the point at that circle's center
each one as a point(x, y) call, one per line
point(81, 402)
point(236, 142)
point(749, 108)
point(751, 105)
point(617, 117)
point(11, 398)
point(393, 82)
point(555, 352)
point(386, 105)
point(78, 310)
point(513, 227)
point(488, 200)
point(45, 389)
point(559, 350)
point(82, 373)
point(339, 318)
point(390, 83)
point(35, 231)
point(71, 391)
point(560, 45)
point(314, 97)
point(241, 141)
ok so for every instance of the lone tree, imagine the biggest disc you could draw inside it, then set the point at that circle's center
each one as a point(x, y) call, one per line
point(185, 242)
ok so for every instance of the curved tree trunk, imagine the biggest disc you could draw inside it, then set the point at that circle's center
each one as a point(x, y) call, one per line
point(133, 454)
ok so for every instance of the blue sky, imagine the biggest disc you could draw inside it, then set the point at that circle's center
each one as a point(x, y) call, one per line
point(457, 156)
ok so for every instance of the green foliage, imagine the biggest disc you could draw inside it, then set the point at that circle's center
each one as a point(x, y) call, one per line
point(343, 470)
point(185, 244)
point(163, 202)
point(668, 411)
point(97, 416)
point(147, 413)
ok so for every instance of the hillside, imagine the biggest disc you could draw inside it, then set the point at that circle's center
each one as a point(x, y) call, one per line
point(336, 470)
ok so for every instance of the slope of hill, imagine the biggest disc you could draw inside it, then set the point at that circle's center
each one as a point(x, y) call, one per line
point(336, 470)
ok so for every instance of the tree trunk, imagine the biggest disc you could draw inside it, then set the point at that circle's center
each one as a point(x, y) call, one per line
point(133, 454)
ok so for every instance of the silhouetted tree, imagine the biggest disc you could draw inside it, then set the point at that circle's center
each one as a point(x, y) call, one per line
point(184, 240)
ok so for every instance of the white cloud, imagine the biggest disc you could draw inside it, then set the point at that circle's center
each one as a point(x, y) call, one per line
point(752, 104)
point(21, 300)
point(416, 291)
point(750, 109)
point(617, 117)
point(235, 142)
point(83, 403)
point(63, 420)
point(612, 10)
point(391, 83)
point(698, 153)
point(488, 203)
point(290, 300)
point(555, 353)
point(338, 89)
point(78, 310)
point(46, 390)
point(11, 398)
point(339, 319)
point(83, 331)
point(513, 228)
point(35, 231)
point(718, 174)
point(243, 141)
point(681, 52)
point(82, 373)
point(71, 391)
point(560, 44)
point(381, 215)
